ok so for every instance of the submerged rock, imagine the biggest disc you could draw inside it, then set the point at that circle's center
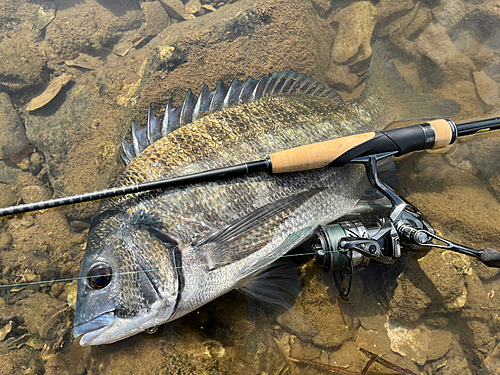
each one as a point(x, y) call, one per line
point(156, 17)
point(356, 24)
point(409, 342)
point(21, 65)
point(317, 318)
point(486, 88)
point(12, 133)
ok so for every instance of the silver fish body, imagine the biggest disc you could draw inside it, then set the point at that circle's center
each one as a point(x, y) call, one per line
point(156, 256)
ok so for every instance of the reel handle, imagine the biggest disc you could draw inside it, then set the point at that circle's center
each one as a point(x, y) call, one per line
point(491, 258)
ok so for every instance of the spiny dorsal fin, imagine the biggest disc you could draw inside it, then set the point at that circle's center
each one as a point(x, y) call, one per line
point(222, 97)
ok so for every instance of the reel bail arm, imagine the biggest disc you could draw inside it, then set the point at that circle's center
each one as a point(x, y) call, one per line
point(352, 241)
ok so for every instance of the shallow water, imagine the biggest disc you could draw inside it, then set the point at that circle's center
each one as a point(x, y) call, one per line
point(432, 313)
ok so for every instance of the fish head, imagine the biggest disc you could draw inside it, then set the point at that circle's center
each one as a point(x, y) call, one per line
point(128, 282)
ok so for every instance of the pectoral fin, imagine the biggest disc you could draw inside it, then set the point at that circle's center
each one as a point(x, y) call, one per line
point(252, 232)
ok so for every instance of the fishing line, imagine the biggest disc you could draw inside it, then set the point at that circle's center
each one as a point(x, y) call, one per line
point(134, 272)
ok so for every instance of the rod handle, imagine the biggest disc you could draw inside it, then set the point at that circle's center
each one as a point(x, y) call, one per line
point(337, 152)
point(316, 155)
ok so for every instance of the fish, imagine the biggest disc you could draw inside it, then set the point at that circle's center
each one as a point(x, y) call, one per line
point(156, 256)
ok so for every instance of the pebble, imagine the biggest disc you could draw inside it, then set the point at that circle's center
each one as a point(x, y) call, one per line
point(50, 92)
point(46, 13)
point(84, 61)
point(157, 18)
point(356, 24)
point(12, 133)
point(486, 88)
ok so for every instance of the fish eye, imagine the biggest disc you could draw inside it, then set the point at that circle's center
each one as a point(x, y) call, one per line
point(99, 276)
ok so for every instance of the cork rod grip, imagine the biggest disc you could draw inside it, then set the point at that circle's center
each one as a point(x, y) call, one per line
point(316, 155)
point(443, 131)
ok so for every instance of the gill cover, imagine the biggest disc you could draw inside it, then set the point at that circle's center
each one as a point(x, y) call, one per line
point(129, 280)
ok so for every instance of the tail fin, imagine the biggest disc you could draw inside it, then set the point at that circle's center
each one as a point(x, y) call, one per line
point(402, 101)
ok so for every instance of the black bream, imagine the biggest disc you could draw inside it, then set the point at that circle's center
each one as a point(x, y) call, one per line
point(156, 256)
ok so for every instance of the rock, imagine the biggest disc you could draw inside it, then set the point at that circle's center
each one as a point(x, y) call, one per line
point(486, 88)
point(84, 61)
point(174, 8)
point(409, 301)
point(356, 24)
point(446, 271)
point(91, 26)
point(321, 6)
point(439, 344)
point(8, 174)
point(449, 13)
point(12, 133)
point(386, 8)
point(492, 361)
point(193, 6)
point(339, 77)
point(5, 241)
point(45, 14)
point(49, 93)
point(8, 196)
point(409, 342)
point(21, 65)
point(156, 18)
point(316, 319)
point(435, 44)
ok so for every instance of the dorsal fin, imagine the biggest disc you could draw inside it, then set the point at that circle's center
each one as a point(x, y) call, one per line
point(222, 97)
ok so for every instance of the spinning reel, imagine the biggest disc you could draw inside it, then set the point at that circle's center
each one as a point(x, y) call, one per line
point(353, 240)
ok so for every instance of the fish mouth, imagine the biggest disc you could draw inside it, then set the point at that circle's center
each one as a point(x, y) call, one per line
point(93, 328)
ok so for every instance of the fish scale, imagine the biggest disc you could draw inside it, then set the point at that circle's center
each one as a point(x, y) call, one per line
point(155, 256)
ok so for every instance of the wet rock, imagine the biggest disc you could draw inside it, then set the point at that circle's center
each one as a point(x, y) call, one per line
point(409, 342)
point(449, 13)
point(316, 318)
point(486, 88)
point(8, 196)
point(84, 61)
point(491, 362)
point(478, 312)
point(12, 133)
point(156, 17)
point(481, 55)
point(439, 344)
point(322, 6)
point(5, 241)
point(45, 14)
point(49, 93)
point(386, 8)
point(174, 8)
point(9, 174)
point(409, 301)
point(192, 7)
point(340, 78)
point(435, 44)
point(356, 24)
point(446, 271)
point(21, 65)
point(91, 26)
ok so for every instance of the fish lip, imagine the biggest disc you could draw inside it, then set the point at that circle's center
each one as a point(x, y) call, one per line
point(91, 329)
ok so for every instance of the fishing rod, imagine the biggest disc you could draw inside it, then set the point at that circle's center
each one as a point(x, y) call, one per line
point(334, 153)
point(357, 238)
